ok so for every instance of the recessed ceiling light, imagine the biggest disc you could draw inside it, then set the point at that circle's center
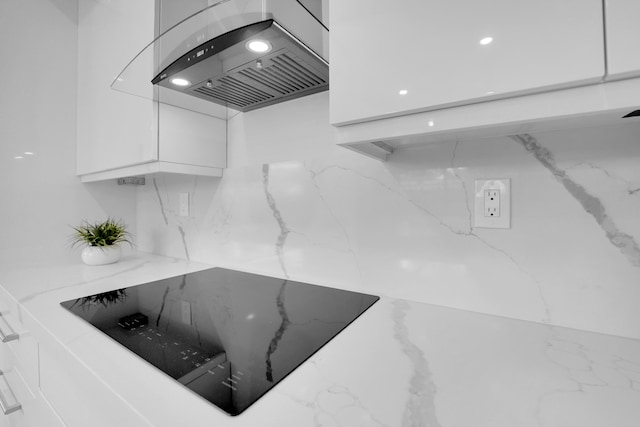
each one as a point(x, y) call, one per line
point(486, 40)
point(180, 82)
point(403, 92)
point(258, 46)
point(28, 153)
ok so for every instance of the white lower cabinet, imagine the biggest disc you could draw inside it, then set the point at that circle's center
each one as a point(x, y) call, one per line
point(23, 404)
point(42, 385)
point(79, 398)
point(34, 411)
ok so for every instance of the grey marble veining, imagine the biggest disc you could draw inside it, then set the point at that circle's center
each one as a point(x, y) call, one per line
point(282, 225)
point(160, 202)
point(315, 178)
point(466, 193)
point(420, 408)
point(275, 341)
point(184, 242)
point(162, 305)
point(592, 205)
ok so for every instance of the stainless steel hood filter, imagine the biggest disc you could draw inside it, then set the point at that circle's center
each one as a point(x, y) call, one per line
point(223, 70)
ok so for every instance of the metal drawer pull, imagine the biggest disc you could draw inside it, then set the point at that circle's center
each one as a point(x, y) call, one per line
point(5, 404)
point(5, 337)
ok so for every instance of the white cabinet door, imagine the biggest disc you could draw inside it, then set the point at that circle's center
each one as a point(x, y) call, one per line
point(191, 138)
point(80, 399)
point(128, 132)
point(115, 129)
point(623, 38)
point(390, 58)
point(34, 409)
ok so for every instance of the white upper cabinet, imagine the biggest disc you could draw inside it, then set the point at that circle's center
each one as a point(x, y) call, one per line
point(623, 38)
point(123, 134)
point(114, 128)
point(390, 58)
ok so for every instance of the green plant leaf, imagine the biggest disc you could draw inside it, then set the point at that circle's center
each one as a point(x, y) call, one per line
point(106, 233)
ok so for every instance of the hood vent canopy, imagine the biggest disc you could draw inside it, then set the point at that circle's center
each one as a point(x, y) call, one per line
point(223, 70)
point(207, 63)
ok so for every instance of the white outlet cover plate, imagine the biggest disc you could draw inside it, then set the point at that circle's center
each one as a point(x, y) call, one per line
point(479, 218)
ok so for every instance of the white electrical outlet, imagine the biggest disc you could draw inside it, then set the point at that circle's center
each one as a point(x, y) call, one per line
point(184, 204)
point(186, 313)
point(492, 204)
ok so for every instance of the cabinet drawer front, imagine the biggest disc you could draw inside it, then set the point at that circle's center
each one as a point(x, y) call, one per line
point(18, 340)
point(21, 349)
point(34, 410)
point(25, 352)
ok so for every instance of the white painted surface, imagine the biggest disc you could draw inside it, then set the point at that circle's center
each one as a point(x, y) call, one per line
point(41, 196)
point(152, 168)
point(580, 107)
point(432, 51)
point(297, 129)
point(400, 363)
point(115, 129)
point(623, 33)
point(191, 138)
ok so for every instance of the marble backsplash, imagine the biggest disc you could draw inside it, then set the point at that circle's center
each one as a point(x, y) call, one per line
point(404, 228)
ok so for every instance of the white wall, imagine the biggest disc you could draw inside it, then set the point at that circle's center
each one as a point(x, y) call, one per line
point(292, 204)
point(41, 196)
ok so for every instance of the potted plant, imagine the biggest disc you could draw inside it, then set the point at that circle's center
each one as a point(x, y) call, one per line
point(101, 240)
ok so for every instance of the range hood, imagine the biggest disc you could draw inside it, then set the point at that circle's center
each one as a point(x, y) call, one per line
point(204, 62)
point(228, 71)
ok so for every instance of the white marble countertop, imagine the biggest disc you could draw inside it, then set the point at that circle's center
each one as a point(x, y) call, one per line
point(399, 364)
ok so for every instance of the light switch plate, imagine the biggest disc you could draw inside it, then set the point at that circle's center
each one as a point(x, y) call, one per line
point(492, 203)
point(186, 313)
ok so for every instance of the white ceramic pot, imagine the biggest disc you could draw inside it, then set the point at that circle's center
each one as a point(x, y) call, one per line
point(101, 255)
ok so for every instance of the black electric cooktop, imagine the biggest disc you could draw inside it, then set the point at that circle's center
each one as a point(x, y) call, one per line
point(227, 335)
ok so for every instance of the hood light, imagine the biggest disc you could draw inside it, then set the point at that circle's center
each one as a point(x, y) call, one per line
point(485, 41)
point(258, 46)
point(180, 82)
